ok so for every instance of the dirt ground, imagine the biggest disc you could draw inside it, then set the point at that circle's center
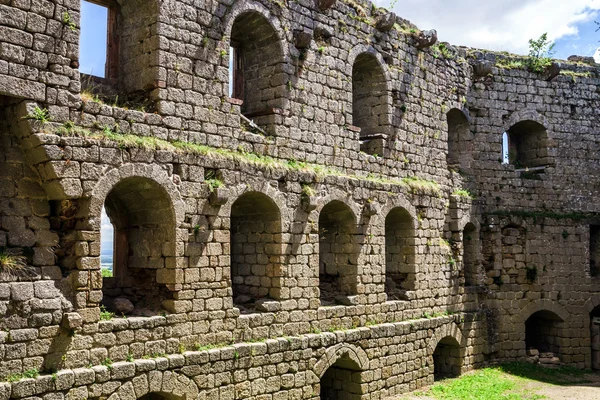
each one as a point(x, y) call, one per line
point(527, 388)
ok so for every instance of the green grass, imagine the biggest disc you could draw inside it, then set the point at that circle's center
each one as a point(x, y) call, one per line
point(32, 373)
point(487, 384)
point(506, 382)
point(413, 184)
point(107, 273)
point(559, 376)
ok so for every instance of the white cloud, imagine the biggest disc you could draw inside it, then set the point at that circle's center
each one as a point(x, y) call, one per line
point(597, 55)
point(497, 25)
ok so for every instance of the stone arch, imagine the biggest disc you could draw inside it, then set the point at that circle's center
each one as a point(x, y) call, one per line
point(450, 329)
point(342, 350)
point(171, 385)
point(341, 196)
point(149, 171)
point(371, 99)
point(446, 351)
point(526, 115)
point(241, 7)
point(365, 49)
point(146, 210)
point(339, 252)
point(253, 31)
point(256, 247)
point(529, 143)
point(264, 188)
point(541, 305)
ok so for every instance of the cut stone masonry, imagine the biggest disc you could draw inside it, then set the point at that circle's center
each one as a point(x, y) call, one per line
point(362, 236)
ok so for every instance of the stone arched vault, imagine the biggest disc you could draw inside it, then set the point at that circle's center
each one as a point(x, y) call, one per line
point(172, 385)
point(448, 330)
point(524, 115)
point(273, 194)
point(114, 176)
point(540, 305)
point(242, 7)
point(342, 350)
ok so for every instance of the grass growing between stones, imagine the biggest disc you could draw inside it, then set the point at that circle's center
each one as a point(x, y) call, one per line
point(414, 184)
point(513, 381)
point(11, 263)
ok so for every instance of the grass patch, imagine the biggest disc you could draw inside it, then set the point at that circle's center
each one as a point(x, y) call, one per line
point(486, 384)
point(32, 373)
point(11, 263)
point(510, 381)
point(414, 184)
point(556, 376)
point(107, 273)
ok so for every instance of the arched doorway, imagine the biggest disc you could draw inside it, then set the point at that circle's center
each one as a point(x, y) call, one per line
point(595, 337)
point(542, 334)
point(447, 362)
point(342, 381)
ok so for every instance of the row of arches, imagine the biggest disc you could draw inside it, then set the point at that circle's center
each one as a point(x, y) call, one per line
point(143, 252)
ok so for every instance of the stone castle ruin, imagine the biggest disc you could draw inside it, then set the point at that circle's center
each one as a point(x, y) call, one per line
point(311, 199)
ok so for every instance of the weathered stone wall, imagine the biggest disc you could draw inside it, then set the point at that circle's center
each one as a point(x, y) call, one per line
point(258, 260)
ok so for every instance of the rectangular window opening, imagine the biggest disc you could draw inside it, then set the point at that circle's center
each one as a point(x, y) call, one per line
point(99, 45)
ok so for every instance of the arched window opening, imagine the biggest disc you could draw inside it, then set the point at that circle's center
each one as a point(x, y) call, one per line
point(399, 254)
point(141, 213)
point(542, 337)
point(342, 381)
point(460, 143)
point(528, 145)
point(256, 63)
point(107, 239)
point(595, 337)
point(470, 255)
point(447, 361)
point(255, 250)
point(338, 253)
point(370, 104)
point(594, 250)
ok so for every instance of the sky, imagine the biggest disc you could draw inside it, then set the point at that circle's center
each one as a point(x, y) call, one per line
point(92, 59)
point(507, 25)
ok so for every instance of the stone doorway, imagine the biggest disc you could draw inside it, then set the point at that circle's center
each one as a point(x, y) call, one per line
point(447, 361)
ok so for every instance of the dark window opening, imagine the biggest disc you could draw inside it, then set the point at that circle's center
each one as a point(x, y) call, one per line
point(595, 337)
point(470, 255)
point(370, 104)
point(447, 361)
point(595, 250)
point(460, 143)
point(399, 254)
point(342, 381)
point(338, 253)
point(144, 228)
point(255, 251)
point(528, 145)
point(99, 44)
point(542, 336)
point(256, 65)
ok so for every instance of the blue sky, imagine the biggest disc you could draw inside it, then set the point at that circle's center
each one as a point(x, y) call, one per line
point(93, 39)
point(507, 24)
